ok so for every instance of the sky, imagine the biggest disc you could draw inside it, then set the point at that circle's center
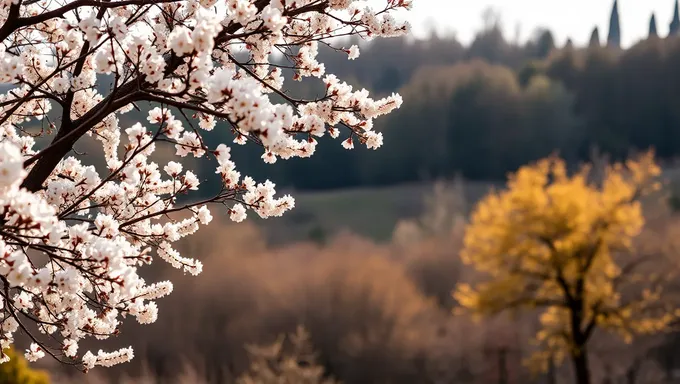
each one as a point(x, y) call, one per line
point(565, 18)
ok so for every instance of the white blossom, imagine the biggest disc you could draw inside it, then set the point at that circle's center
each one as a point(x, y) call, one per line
point(173, 169)
point(204, 216)
point(11, 165)
point(348, 143)
point(353, 52)
point(180, 40)
point(238, 213)
point(34, 353)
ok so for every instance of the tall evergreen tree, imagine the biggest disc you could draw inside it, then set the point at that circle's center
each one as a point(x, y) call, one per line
point(675, 23)
point(545, 44)
point(652, 26)
point(594, 38)
point(614, 37)
point(569, 44)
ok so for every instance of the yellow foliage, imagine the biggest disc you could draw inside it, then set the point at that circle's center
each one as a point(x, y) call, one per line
point(564, 244)
point(17, 371)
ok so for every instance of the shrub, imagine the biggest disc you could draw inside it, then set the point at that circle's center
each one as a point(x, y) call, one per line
point(272, 365)
point(17, 371)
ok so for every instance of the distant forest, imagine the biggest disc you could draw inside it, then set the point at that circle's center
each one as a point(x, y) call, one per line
point(483, 110)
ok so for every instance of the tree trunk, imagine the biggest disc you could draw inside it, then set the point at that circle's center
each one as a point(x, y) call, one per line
point(502, 367)
point(552, 377)
point(579, 359)
point(633, 370)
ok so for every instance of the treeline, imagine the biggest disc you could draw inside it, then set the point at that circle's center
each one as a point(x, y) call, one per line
point(485, 120)
point(486, 109)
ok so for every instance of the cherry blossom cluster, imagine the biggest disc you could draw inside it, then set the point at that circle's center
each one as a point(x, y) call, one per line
point(74, 235)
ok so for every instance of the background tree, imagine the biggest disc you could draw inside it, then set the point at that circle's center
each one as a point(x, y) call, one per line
point(594, 38)
point(273, 364)
point(565, 245)
point(542, 44)
point(652, 26)
point(614, 36)
point(674, 27)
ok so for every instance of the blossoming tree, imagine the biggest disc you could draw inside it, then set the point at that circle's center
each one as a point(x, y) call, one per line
point(72, 239)
point(567, 247)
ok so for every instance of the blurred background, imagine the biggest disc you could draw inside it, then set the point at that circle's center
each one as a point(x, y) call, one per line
point(367, 260)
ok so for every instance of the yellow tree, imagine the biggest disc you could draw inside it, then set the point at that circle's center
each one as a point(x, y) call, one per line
point(565, 245)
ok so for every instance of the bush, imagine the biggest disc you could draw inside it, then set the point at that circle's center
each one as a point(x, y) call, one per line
point(17, 371)
point(272, 365)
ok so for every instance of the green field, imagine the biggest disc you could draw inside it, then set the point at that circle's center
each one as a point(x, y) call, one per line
point(369, 212)
point(374, 212)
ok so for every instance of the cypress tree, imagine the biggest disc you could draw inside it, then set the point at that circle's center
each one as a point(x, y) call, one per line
point(675, 23)
point(594, 38)
point(652, 26)
point(569, 44)
point(614, 37)
point(545, 44)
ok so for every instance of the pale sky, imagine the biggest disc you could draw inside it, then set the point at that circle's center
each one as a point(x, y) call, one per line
point(565, 18)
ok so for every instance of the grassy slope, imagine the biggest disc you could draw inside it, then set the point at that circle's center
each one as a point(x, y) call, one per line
point(374, 212)
point(370, 212)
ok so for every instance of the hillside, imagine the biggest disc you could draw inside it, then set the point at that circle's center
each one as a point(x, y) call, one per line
point(374, 212)
point(370, 212)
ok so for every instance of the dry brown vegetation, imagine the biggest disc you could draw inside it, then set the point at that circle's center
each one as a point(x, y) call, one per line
point(376, 313)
